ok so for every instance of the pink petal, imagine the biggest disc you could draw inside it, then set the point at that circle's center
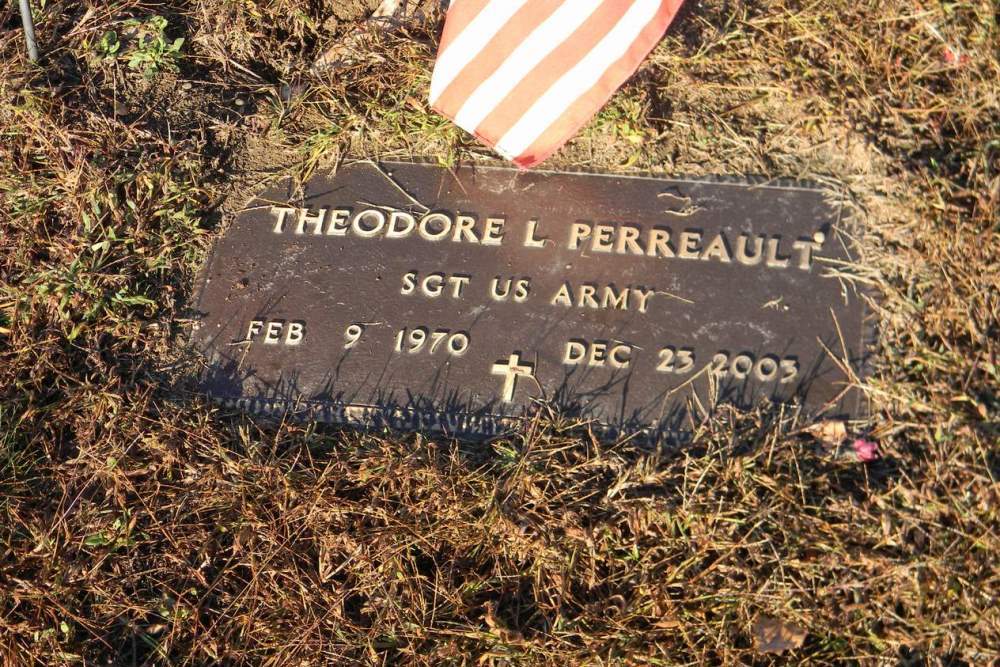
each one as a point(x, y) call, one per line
point(866, 450)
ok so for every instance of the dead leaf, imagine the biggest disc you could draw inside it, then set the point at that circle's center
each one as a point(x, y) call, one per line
point(497, 628)
point(387, 8)
point(772, 635)
point(830, 432)
point(242, 539)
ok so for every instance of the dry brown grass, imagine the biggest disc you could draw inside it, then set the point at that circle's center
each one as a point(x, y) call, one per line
point(137, 528)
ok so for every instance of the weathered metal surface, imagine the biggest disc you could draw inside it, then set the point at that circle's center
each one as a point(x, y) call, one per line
point(425, 298)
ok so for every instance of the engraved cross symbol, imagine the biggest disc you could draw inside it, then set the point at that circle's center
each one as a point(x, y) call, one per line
point(512, 368)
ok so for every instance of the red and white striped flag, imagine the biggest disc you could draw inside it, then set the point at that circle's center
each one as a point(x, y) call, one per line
point(525, 75)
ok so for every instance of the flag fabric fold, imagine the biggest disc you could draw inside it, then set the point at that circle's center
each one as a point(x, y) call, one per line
point(525, 75)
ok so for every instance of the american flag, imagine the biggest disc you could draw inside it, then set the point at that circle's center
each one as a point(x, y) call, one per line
point(525, 75)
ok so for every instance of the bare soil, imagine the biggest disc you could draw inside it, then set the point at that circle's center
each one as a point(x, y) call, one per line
point(352, 10)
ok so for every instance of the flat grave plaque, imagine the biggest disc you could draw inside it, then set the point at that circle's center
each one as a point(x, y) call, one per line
point(416, 297)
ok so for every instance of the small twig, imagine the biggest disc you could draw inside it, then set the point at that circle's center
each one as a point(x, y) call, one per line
point(29, 30)
point(399, 187)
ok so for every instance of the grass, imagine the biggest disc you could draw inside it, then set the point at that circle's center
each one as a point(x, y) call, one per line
point(139, 529)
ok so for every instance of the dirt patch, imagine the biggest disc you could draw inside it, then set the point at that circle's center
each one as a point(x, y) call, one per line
point(352, 10)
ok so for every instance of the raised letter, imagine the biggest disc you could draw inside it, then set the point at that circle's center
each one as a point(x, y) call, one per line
point(562, 297)
point(689, 245)
point(628, 236)
point(282, 213)
point(273, 333)
point(495, 291)
point(368, 233)
point(530, 241)
point(255, 328)
point(741, 250)
point(718, 249)
point(575, 353)
point(425, 231)
point(603, 237)
point(643, 295)
point(433, 285)
point(659, 243)
point(338, 222)
point(522, 288)
point(464, 225)
point(409, 283)
point(493, 234)
point(458, 284)
point(578, 232)
point(807, 248)
point(624, 360)
point(314, 220)
point(612, 300)
point(394, 231)
point(296, 332)
point(598, 354)
point(587, 293)
point(774, 260)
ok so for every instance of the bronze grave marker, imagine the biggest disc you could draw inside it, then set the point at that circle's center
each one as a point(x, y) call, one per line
point(416, 297)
